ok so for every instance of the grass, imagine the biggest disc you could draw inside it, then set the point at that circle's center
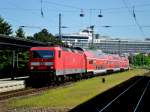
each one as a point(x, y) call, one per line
point(76, 93)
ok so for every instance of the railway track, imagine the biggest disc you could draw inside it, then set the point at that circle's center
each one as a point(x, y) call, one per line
point(22, 92)
point(28, 91)
point(33, 91)
point(131, 96)
point(129, 100)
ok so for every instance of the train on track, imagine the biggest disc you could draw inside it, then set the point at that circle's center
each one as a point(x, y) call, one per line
point(58, 63)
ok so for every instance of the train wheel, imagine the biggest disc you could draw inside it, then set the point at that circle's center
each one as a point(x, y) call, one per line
point(58, 80)
point(80, 76)
point(62, 79)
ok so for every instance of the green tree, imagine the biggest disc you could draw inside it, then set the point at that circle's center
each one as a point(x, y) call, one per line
point(5, 55)
point(141, 60)
point(5, 28)
point(30, 38)
point(20, 33)
point(45, 36)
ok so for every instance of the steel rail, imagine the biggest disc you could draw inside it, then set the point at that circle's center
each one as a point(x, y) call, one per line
point(141, 97)
point(119, 95)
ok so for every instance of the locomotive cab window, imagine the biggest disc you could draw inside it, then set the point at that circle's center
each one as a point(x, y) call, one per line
point(42, 54)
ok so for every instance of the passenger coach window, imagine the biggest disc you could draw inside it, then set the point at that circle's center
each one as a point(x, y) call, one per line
point(90, 61)
point(59, 54)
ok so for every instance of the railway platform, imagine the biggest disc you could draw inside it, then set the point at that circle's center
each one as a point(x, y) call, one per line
point(9, 85)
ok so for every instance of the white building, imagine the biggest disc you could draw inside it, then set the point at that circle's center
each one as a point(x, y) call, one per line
point(108, 45)
point(81, 39)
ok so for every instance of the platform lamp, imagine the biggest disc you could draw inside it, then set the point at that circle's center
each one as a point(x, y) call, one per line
point(92, 28)
point(100, 15)
point(36, 27)
point(81, 14)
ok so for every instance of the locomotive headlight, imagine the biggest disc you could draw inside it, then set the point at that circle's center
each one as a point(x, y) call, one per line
point(51, 67)
point(32, 67)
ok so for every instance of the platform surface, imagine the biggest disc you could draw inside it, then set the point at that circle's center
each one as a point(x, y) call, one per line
point(10, 85)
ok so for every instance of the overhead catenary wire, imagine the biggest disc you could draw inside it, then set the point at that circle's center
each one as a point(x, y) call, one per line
point(60, 4)
point(71, 8)
point(135, 18)
point(139, 26)
point(89, 9)
point(42, 13)
point(18, 8)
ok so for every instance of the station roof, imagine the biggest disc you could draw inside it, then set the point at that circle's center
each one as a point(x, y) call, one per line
point(16, 42)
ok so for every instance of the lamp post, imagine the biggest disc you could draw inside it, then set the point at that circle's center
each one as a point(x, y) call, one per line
point(119, 50)
point(60, 27)
point(60, 36)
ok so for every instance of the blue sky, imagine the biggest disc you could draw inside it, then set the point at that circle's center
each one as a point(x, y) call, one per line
point(116, 13)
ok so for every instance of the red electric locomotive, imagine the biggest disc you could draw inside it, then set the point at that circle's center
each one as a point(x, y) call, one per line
point(52, 63)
